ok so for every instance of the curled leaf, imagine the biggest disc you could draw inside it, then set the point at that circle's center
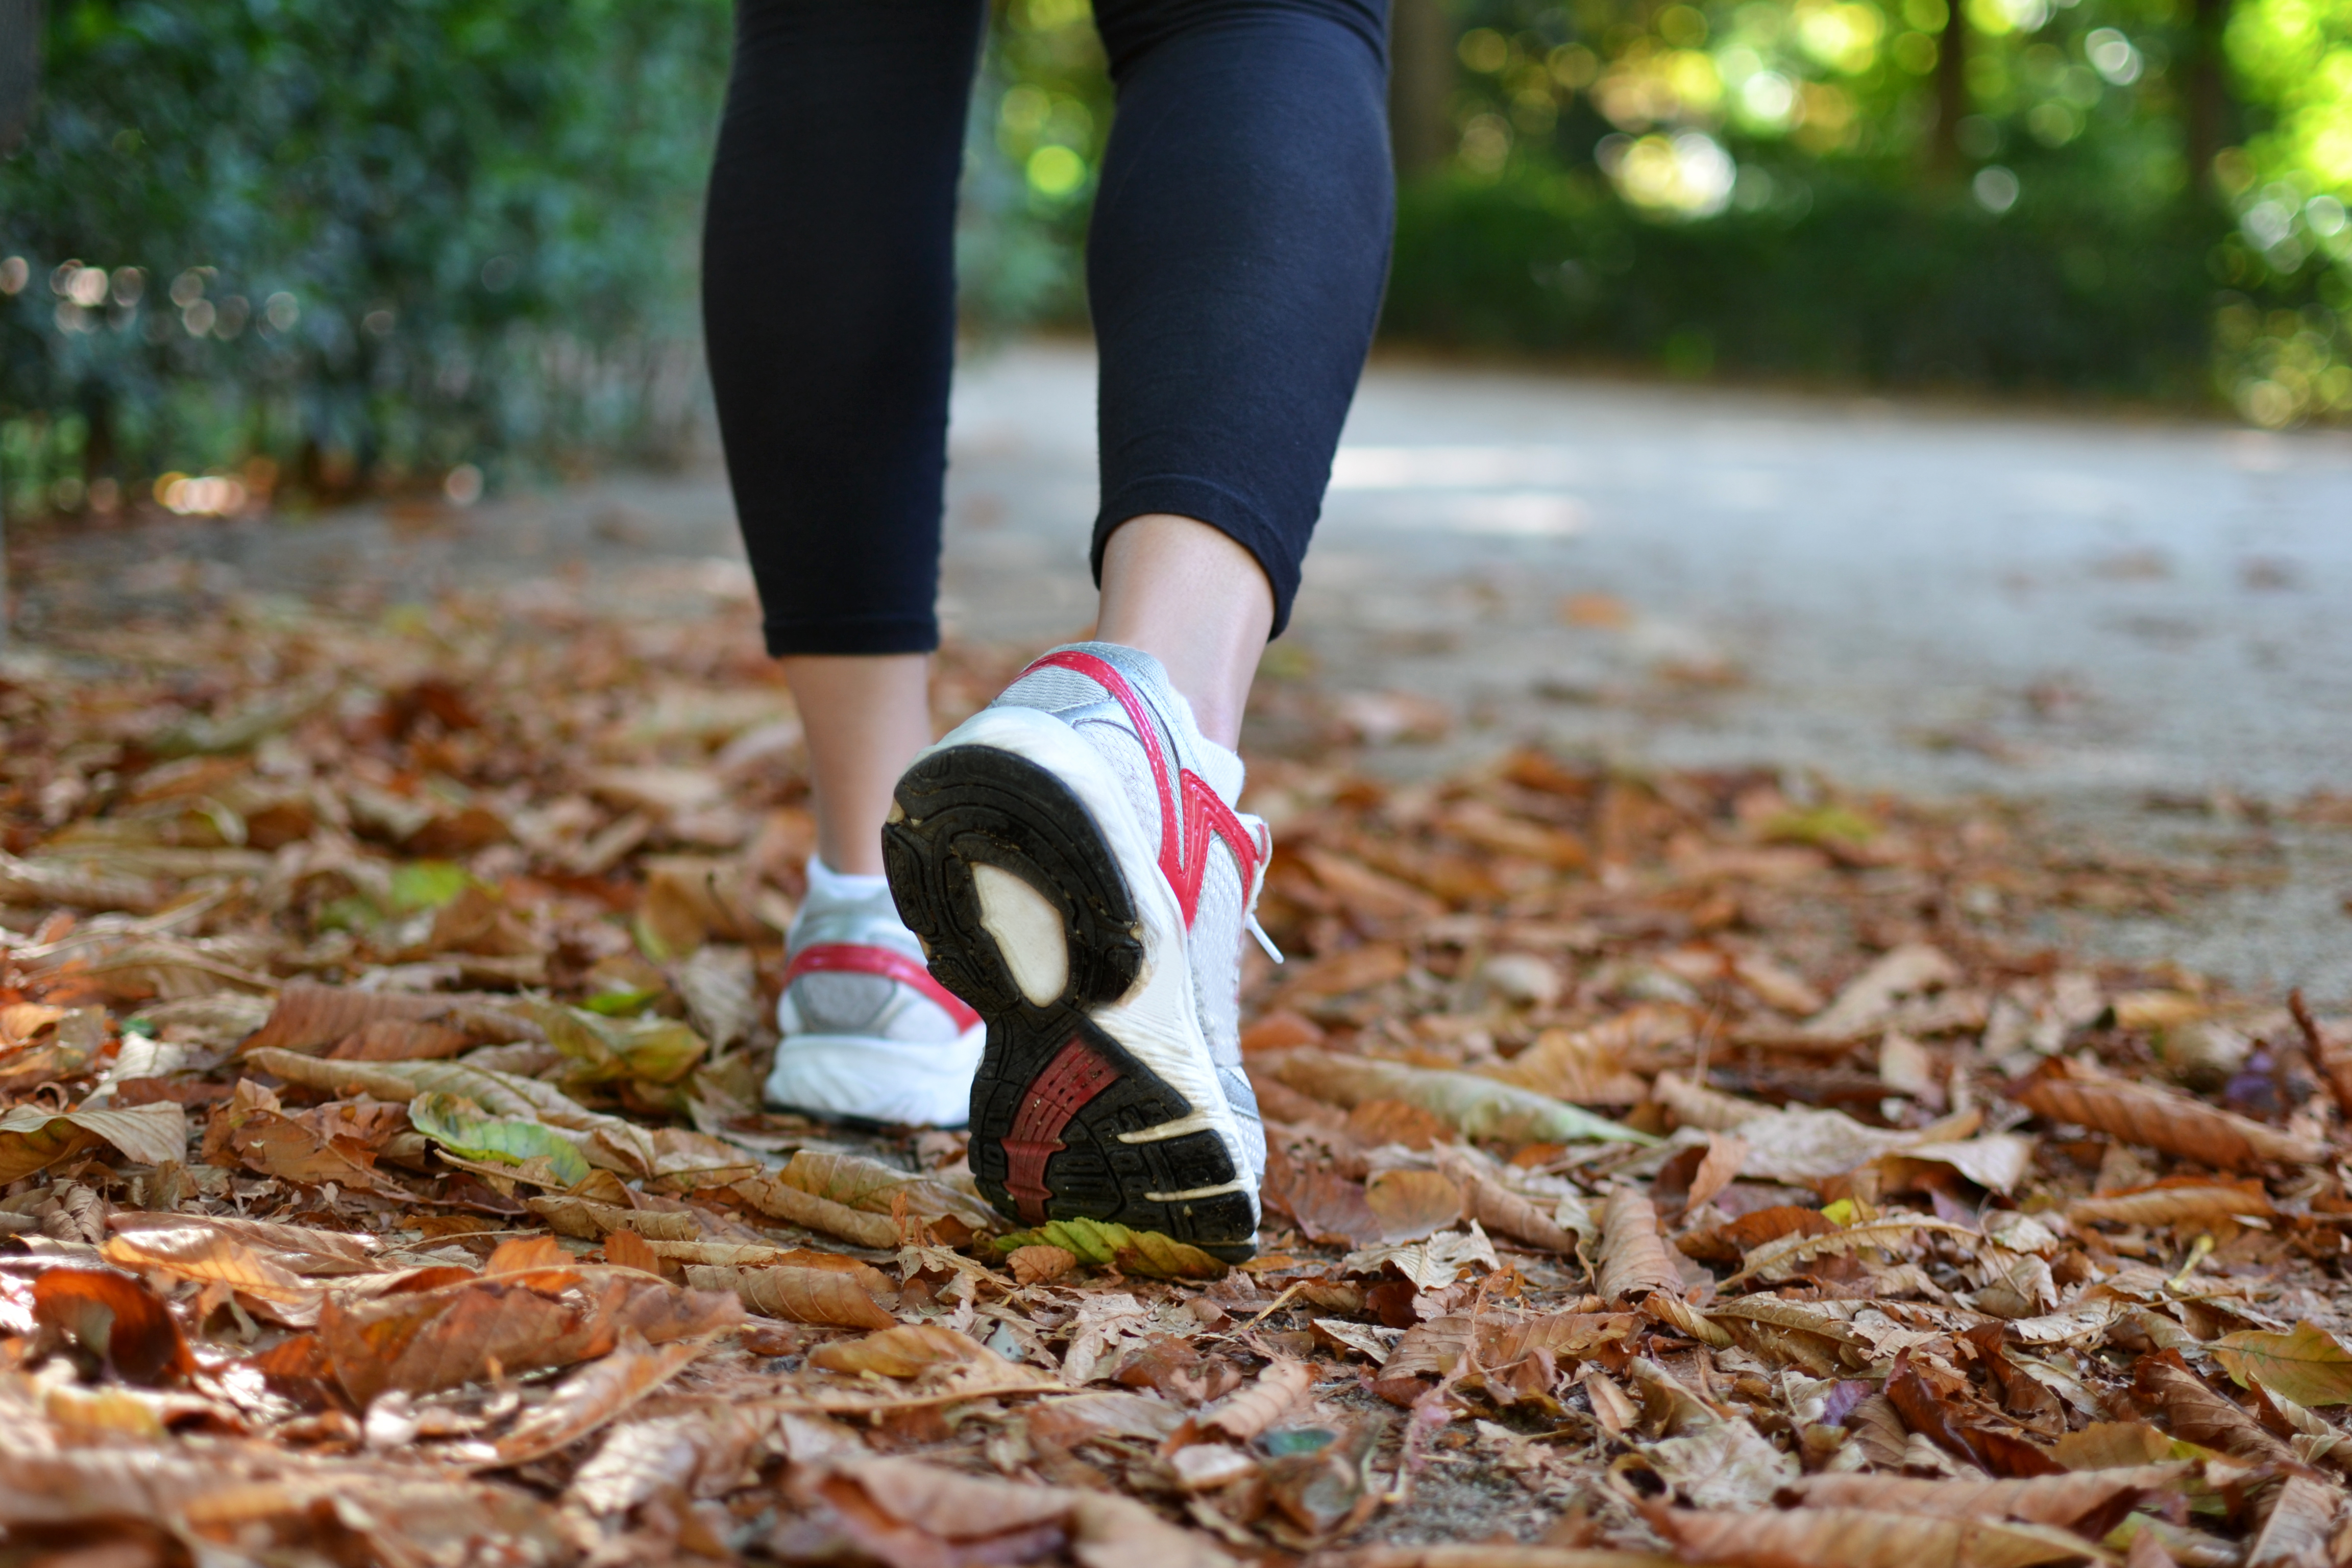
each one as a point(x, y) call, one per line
point(459, 1125)
point(2091, 1502)
point(795, 1294)
point(908, 1350)
point(2161, 1118)
point(1859, 1538)
point(1634, 1258)
point(1103, 1244)
point(117, 1318)
point(1478, 1108)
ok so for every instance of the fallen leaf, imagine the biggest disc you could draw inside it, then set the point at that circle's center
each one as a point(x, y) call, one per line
point(1633, 1259)
point(1857, 1538)
point(213, 1257)
point(460, 1126)
point(1041, 1265)
point(776, 1197)
point(309, 1016)
point(907, 1350)
point(2090, 1504)
point(2298, 1529)
point(795, 1294)
point(1869, 998)
point(32, 1138)
point(2308, 1366)
point(1430, 1265)
point(425, 1341)
point(2191, 1202)
point(2160, 1118)
point(2194, 1412)
point(595, 1395)
point(1410, 1204)
point(1108, 1246)
point(115, 1317)
point(1253, 1408)
point(1477, 1108)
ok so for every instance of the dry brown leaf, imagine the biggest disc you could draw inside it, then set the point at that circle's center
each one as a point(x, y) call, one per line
point(595, 1395)
point(1476, 1107)
point(1329, 1207)
point(425, 1341)
point(795, 1294)
point(1785, 1333)
point(1041, 1265)
point(1868, 1000)
point(781, 1200)
point(1410, 1204)
point(2187, 1203)
point(1857, 1538)
point(309, 1016)
point(2159, 1118)
point(1633, 1258)
point(627, 1249)
point(1250, 1410)
point(212, 1255)
point(2090, 1504)
point(399, 1040)
point(1377, 1121)
point(304, 1249)
point(591, 1221)
point(2195, 1412)
point(907, 1350)
point(1891, 1232)
point(1505, 1212)
point(2300, 1526)
point(1586, 1065)
point(1695, 1105)
point(114, 1317)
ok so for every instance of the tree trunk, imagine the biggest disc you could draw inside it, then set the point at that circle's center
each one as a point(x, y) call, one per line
point(20, 68)
point(2207, 91)
point(1952, 88)
point(1420, 81)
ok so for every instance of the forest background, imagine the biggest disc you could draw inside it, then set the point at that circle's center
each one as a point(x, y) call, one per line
point(258, 248)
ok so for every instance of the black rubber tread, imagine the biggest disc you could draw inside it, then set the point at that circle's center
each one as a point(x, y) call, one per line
point(979, 804)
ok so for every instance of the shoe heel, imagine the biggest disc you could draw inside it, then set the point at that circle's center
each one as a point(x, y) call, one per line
point(986, 852)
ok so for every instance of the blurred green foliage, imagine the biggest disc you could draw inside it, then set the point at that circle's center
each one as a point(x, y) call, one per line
point(351, 244)
point(1760, 184)
point(280, 240)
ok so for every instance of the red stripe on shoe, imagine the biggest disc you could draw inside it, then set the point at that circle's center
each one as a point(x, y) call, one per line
point(1073, 1077)
point(1205, 816)
point(856, 958)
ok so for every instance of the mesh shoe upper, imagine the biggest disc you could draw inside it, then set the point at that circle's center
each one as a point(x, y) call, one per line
point(1182, 787)
point(866, 1031)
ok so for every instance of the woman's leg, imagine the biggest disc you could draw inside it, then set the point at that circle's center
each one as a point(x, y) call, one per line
point(1072, 856)
point(829, 308)
point(1240, 243)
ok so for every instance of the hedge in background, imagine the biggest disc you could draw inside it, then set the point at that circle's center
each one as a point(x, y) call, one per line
point(355, 242)
point(1867, 284)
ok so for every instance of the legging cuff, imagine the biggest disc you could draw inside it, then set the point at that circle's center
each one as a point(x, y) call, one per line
point(1278, 554)
point(852, 634)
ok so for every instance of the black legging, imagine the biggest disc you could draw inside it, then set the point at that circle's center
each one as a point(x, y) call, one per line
point(1240, 241)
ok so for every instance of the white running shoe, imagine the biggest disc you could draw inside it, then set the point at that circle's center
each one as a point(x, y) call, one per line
point(1072, 860)
point(869, 1034)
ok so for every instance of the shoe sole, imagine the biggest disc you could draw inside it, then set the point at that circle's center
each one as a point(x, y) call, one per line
point(1066, 1121)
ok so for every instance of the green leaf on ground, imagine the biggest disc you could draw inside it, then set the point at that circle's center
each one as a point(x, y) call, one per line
point(1108, 1246)
point(426, 884)
point(2308, 1366)
point(655, 1049)
point(460, 1126)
